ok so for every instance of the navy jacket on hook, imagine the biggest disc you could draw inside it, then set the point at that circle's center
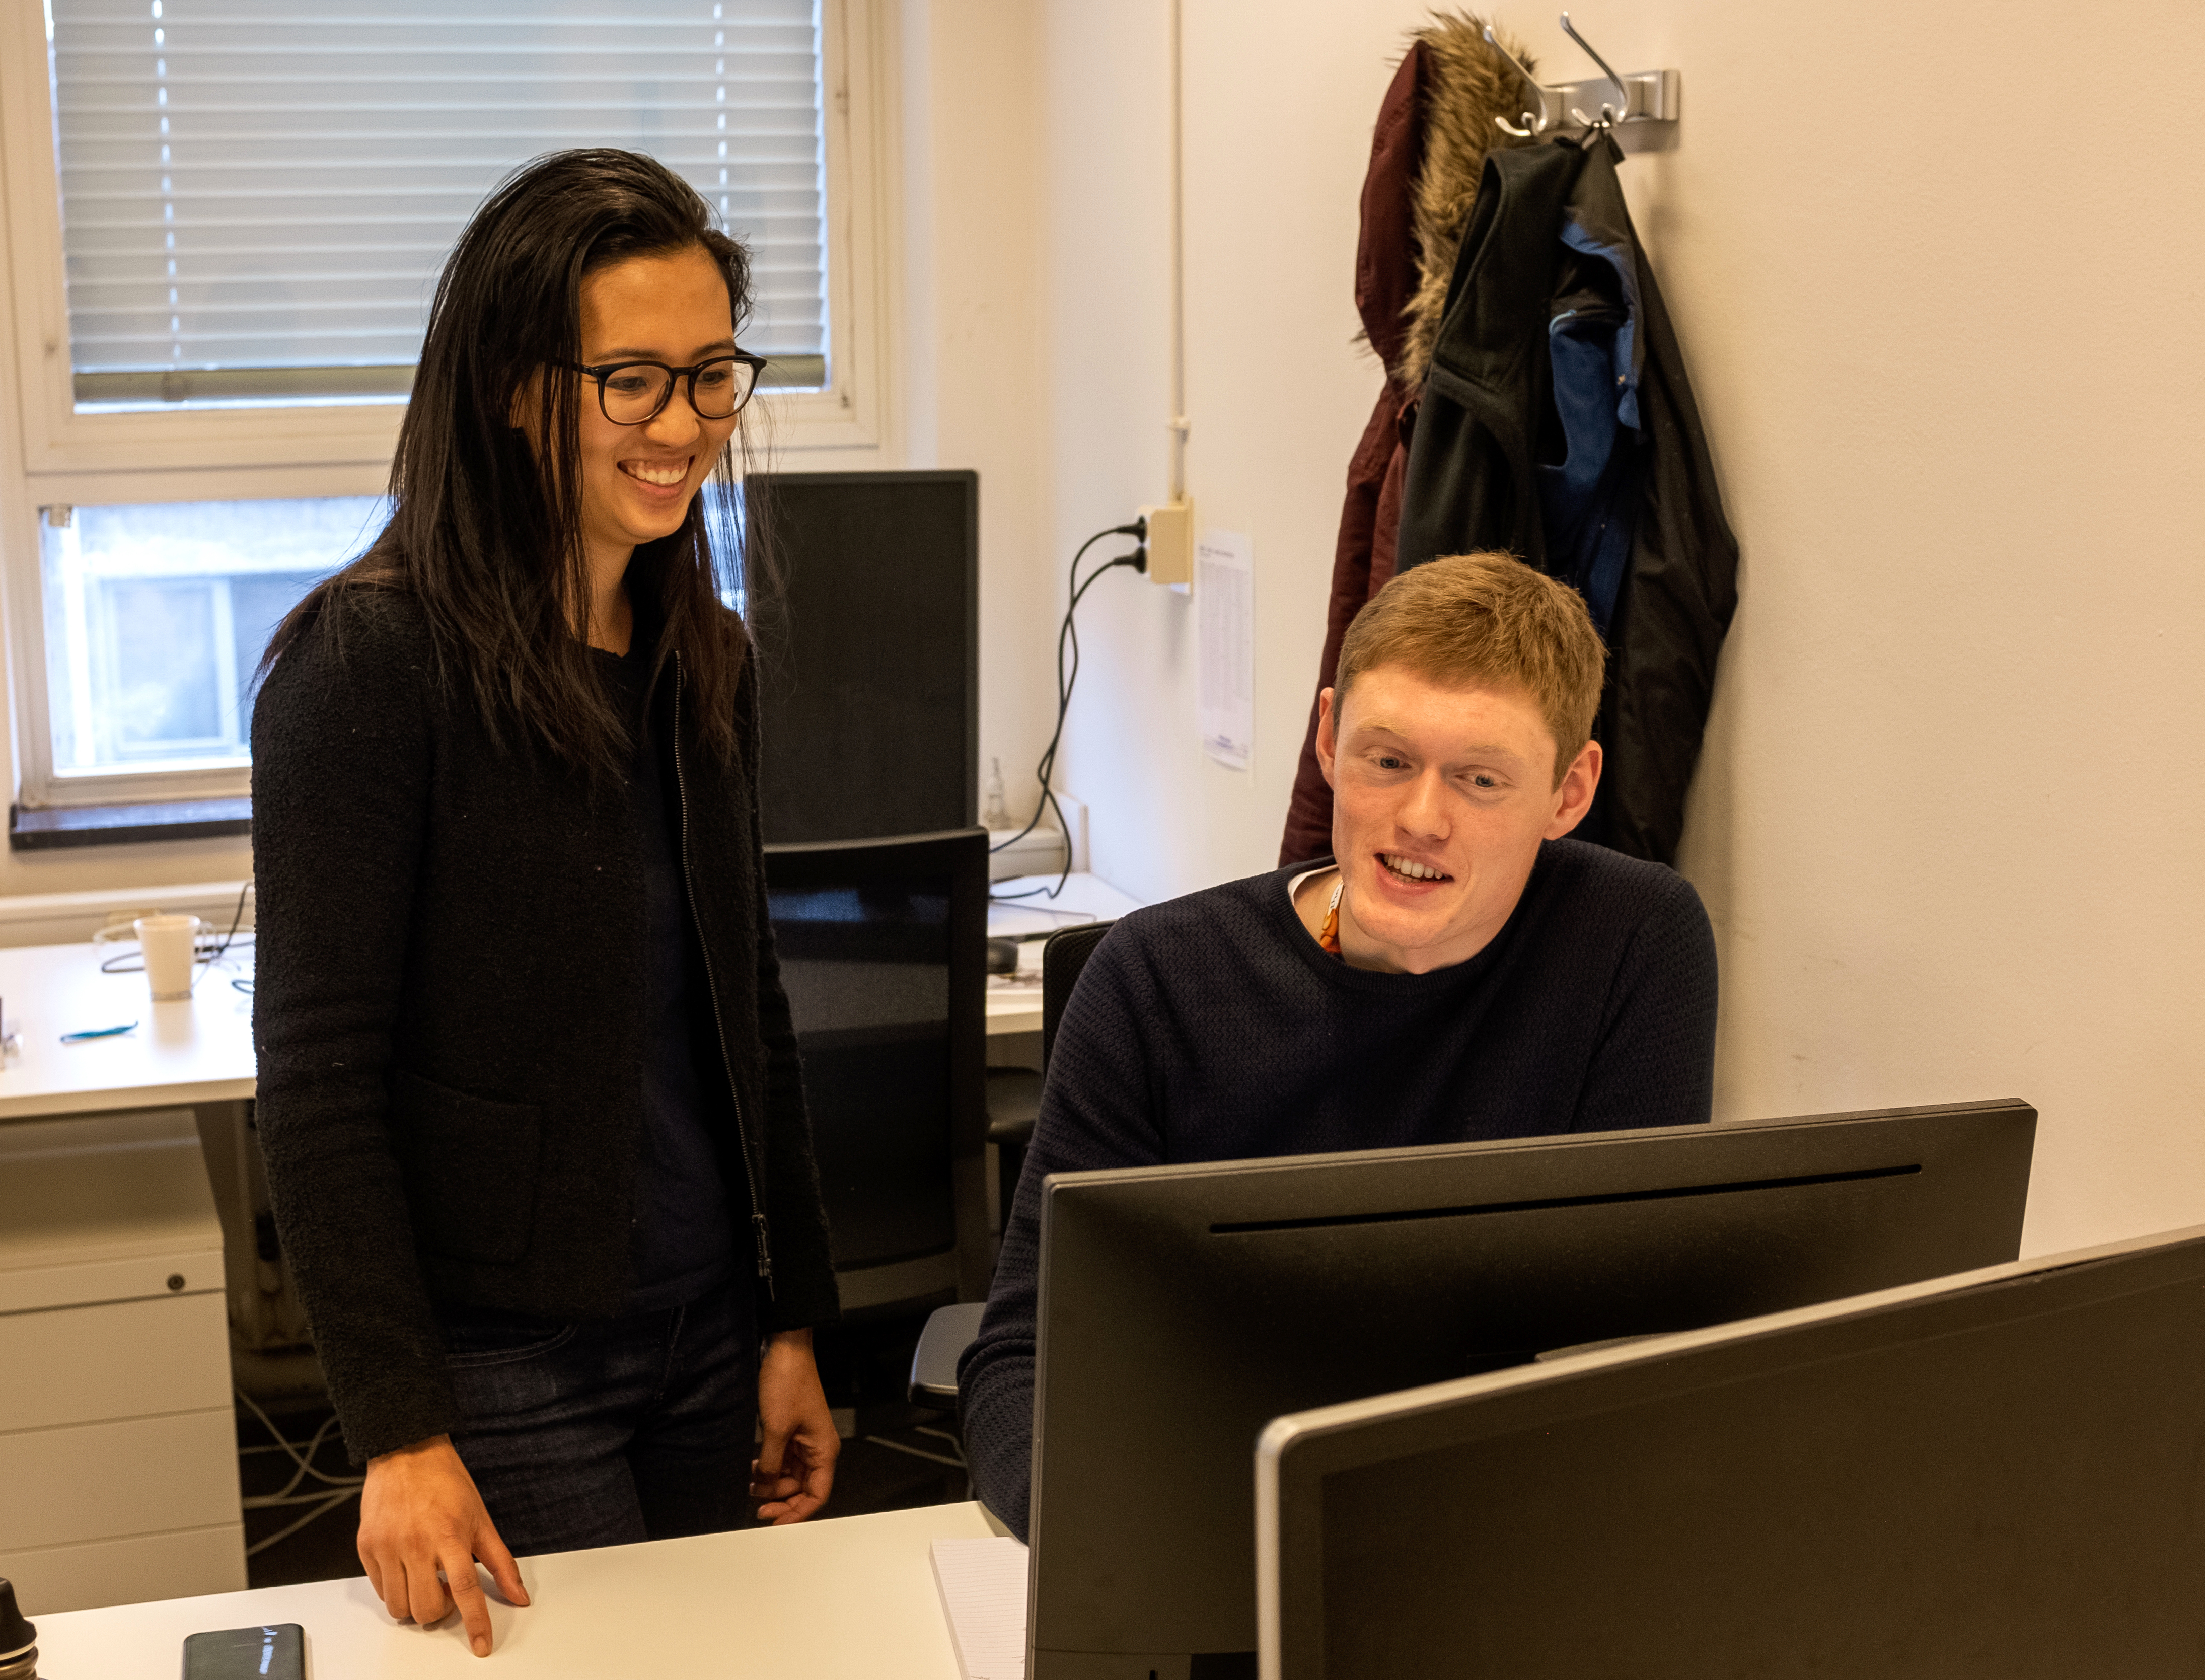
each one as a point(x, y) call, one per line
point(1556, 423)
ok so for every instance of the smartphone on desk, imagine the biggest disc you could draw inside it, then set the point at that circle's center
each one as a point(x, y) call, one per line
point(247, 1653)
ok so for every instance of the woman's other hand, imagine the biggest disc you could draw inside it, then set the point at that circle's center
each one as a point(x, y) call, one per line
point(794, 1469)
point(420, 1513)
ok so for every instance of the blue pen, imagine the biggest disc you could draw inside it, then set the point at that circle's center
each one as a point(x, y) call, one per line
point(98, 1032)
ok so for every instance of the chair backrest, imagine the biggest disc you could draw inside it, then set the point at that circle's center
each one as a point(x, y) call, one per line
point(883, 948)
point(1063, 954)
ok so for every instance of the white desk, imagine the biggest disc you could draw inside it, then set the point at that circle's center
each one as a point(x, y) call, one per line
point(847, 1599)
point(184, 1054)
point(181, 1055)
point(117, 1440)
point(1014, 1001)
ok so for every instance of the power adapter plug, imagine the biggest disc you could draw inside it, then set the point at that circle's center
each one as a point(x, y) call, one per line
point(1169, 536)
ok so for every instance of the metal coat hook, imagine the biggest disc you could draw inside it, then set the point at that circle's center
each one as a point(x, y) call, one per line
point(1647, 96)
point(1533, 126)
point(1609, 115)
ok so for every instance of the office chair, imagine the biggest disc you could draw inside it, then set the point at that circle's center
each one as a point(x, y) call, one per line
point(1015, 1104)
point(883, 948)
point(950, 1330)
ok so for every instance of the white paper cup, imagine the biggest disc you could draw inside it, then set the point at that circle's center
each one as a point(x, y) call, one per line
point(167, 942)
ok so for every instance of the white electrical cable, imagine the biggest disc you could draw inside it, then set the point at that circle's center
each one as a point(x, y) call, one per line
point(1179, 423)
point(303, 1461)
point(319, 1511)
point(956, 1446)
point(913, 1451)
point(346, 1487)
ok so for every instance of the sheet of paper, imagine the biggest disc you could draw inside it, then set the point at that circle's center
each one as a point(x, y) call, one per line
point(1225, 596)
point(983, 1594)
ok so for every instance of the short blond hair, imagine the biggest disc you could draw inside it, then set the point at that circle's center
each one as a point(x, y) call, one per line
point(1485, 621)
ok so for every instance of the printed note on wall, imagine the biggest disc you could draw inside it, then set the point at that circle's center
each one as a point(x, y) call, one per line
point(1224, 596)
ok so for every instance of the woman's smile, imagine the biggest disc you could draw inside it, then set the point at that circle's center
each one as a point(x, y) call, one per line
point(660, 475)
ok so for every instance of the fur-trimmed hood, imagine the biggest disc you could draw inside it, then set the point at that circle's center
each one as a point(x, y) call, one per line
point(1467, 85)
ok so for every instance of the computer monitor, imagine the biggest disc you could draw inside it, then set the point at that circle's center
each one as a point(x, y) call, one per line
point(1992, 1475)
point(869, 681)
point(1183, 1308)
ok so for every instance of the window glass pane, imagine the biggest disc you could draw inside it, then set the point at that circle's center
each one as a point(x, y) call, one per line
point(156, 616)
point(258, 195)
point(164, 695)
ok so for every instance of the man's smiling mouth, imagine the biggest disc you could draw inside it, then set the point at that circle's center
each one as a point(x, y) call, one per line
point(1409, 870)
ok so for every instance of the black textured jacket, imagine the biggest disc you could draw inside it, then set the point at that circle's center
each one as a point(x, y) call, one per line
point(1487, 445)
point(447, 1017)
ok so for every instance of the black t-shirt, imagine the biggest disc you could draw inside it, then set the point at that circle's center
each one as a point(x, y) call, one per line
point(684, 1236)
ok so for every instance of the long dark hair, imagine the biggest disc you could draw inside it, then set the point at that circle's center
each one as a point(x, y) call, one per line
point(485, 530)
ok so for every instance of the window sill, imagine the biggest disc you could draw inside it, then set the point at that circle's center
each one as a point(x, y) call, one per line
point(52, 826)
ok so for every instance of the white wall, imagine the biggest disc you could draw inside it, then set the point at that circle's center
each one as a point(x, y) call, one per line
point(1278, 102)
point(971, 179)
point(1942, 321)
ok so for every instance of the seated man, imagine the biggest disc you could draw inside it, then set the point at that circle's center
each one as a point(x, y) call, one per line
point(1460, 972)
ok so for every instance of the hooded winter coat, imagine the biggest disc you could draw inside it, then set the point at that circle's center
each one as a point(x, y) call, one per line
point(1434, 128)
point(1536, 403)
point(1556, 424)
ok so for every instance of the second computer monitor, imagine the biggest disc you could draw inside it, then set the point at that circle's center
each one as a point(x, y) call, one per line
point(1996, 1475)
point(865, 596)
point(1183, 1308)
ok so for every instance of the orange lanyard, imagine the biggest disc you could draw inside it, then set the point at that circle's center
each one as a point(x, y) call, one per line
point(1329, 934)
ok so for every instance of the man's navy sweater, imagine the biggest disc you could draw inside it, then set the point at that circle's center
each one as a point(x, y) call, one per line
point(1214, 1028)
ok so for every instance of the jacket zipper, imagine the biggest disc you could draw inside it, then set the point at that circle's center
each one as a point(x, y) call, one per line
point(712, 990)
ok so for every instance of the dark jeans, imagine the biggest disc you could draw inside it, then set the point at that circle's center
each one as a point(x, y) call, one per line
point(608, 1431)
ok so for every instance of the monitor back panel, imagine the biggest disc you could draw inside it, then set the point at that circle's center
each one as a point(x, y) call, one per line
point(1184, 1309)
point(869, 689)
point(2002, 1481)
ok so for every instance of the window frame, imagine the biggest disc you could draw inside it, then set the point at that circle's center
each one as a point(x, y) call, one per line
point(58, 456)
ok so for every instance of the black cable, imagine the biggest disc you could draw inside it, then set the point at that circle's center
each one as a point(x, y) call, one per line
point(236, 917)
point(1063, 698)
point(1067, 634)
point(122, 963)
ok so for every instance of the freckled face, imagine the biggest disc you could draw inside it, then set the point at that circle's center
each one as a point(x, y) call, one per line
point(637, 481)
point(1440, 798)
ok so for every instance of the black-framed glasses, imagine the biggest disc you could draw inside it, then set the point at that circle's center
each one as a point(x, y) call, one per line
point(633, 393)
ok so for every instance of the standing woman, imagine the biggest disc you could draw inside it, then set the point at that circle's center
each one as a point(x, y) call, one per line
point(529, 1092)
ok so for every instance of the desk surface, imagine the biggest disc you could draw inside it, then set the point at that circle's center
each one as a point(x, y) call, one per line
point(201, 1051)
point(851, 1598)
point(1014, 1002)
point(182, 1053)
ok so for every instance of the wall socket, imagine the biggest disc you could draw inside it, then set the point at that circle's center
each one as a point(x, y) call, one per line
point(1170, 541)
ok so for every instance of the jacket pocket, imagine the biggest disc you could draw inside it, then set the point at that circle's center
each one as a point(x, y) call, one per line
point(470, 1165)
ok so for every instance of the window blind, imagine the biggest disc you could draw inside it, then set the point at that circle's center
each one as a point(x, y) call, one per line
point(258, 196)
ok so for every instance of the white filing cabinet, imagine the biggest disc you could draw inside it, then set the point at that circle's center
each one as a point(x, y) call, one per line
point(118, 1446)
